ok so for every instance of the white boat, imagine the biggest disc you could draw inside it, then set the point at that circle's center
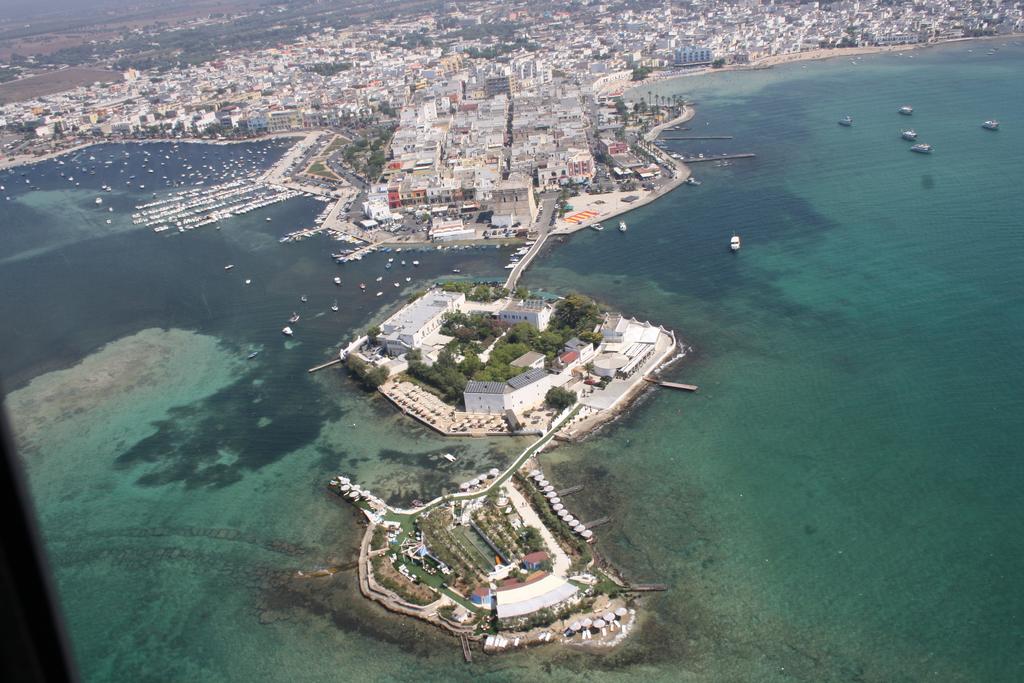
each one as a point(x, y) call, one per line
point(415, 263)
point(622, 226)
point(597, 226)
point(448, 456)
point(734, 243)
point(380, 293)
point(229, 266)
point(337, 280)
point(248, 282)
point(99, 200)
point(287, 331)
point(334, 306)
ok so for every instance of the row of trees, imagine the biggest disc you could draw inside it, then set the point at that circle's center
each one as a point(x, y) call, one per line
point(370, 376)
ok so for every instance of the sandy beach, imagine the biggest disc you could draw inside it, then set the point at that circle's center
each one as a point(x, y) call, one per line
point(789, 58)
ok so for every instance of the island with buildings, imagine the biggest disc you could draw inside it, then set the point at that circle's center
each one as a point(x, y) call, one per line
point(480, 121)
point(502, 559)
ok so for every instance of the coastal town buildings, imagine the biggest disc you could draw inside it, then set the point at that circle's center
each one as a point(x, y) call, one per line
point(470, 115)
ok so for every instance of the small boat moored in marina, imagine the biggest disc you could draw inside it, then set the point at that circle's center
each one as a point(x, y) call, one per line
point(597, 226)
point(623, 227)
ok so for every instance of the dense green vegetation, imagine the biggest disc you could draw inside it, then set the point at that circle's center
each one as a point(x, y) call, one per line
point(370, 376)
point(459, 362)
point(641, 72)
point(559, 398)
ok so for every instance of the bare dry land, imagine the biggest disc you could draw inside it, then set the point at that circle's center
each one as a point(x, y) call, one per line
point(53, 81)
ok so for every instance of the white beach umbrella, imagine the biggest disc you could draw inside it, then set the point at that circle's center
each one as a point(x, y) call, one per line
point(575, 626)
point(622, 611)
point(557, 507)
point(586, 533)
point(579, 528)
point(609, 617)
point(555, 501)
point(534, 473)
point(493, 472)
point(547, 489)
point(542, 483)
point(599, 623)
point(587, 622)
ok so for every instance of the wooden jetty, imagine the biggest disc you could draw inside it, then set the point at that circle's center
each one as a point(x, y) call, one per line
point(672, 385)
point(697, 137)
point(324, 365)
point(571, 489)
point(467, 654)
point(597, 522)
point(646, 587)
point(717, 157)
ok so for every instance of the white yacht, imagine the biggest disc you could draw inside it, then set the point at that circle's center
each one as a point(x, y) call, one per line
point(734, 243)
point(622, 226)
point(287, 331)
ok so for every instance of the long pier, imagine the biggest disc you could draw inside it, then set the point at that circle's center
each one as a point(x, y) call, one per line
point(646, 587)
point(467, 654)
point(697, 137)
point(324, 365)
point(717, 157)
point(672, 385)
point(597, 522)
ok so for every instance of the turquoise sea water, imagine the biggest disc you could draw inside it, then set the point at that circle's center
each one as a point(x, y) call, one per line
point(839, 502)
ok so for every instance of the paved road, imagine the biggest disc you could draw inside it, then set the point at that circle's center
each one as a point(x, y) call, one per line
point(543, 225)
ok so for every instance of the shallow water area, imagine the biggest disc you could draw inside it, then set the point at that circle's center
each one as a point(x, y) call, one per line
point(838, 502)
